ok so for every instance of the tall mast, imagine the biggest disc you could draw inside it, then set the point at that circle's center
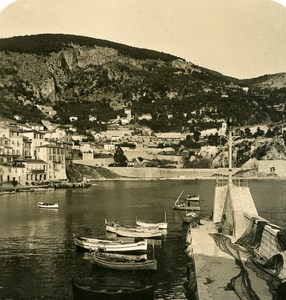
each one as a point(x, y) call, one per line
point(230, 153)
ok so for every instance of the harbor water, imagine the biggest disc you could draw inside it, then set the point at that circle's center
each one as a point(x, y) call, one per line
point(37, 254)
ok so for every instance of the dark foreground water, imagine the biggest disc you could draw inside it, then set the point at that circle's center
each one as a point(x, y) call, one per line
point(37, 254)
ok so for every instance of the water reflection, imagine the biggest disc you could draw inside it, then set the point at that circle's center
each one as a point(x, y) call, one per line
point(37, 254)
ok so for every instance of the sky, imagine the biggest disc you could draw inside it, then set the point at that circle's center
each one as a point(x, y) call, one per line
point(239, 38)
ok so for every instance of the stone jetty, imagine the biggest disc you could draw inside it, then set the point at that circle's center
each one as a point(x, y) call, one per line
point(235, 254)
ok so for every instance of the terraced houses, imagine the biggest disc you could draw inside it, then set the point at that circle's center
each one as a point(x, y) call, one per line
point(30, 155)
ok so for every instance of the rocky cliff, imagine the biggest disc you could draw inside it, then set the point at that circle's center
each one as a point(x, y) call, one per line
point(52, 68)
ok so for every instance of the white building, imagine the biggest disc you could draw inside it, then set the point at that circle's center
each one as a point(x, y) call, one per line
point(37, 138)
point(36, 170)
point(109, 147)
point(54, 156)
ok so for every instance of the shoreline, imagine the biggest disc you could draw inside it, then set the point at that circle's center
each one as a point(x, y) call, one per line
point(7, 188)
point(182, 179)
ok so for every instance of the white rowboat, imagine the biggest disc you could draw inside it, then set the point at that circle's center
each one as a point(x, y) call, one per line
point(135, 232)
point(48, 205)
point(108, 245)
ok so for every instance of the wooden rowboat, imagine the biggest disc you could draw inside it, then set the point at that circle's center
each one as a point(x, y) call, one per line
point(7, 192)
point(134, 232)
point(191, 217)
point(124, 256)
point(105, 261)
point(48, 205)
point(44, 189)
point(108, 245)
point(89, 289)
point(190, 203)
point(161, 225)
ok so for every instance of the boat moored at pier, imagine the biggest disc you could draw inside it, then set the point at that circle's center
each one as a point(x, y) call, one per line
point(160, 225)
point(191, 217)
point(105, 261)
point(88, 288)
point(85, 243)
point(189, 203)
point(134, 232)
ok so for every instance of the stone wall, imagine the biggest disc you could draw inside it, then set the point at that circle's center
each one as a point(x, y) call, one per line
point(137, 172)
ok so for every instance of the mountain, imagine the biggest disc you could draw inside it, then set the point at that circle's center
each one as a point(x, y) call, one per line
point(81, 76)
point(270, 81)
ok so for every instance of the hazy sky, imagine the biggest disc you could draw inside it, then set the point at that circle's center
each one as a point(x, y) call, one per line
point(240, 38)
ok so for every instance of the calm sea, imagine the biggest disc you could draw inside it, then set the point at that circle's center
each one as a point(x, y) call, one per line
point(37, 254)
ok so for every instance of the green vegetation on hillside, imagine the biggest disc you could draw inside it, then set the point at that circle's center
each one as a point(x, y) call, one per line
point(44, 44)
point(66, 73)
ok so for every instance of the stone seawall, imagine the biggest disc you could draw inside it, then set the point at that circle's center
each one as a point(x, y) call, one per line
point(165, 173)
point(157, 173)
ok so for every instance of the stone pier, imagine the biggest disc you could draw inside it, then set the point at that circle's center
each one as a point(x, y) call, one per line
point(227, 253)
point(219, 265)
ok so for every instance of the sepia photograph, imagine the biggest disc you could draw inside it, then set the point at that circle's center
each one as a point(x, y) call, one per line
point(142, 149)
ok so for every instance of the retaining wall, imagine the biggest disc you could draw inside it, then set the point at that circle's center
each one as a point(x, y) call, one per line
point(136, 172)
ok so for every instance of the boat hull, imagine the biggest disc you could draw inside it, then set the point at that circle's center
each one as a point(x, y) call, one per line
point(109, 246)
point(162, 225)
point(43, 189)
point(48, 205)
point(190, 203)
point(191, 217)
point(188, 208)
point(88, 290)
point(124, 265)
point(133, 232)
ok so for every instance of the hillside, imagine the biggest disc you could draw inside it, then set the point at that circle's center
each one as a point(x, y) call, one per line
point(270, 81)
point(82, 76)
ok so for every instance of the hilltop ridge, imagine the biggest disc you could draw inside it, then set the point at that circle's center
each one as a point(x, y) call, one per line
point(82, 76)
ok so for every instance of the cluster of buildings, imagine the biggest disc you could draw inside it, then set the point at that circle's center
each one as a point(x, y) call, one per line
point(39, 153)
point(32, 154)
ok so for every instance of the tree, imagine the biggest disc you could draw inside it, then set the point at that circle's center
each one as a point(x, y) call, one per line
point(197, 135)
point(259, 132)
point(247, 132)
point(119, 158)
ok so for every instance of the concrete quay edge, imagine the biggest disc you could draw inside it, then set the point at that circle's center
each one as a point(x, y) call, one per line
point(214, 268)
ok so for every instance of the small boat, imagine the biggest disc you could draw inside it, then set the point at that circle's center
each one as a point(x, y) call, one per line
point(191, 217)
point(105, 261)
point(134, 232)
point(7, 192)
point(190, 203)
point(48, 205)
point(108, 245)
point(162, 225)
point(25, 190)
point(44, 189)
point(125, 257)
point(88, 288)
